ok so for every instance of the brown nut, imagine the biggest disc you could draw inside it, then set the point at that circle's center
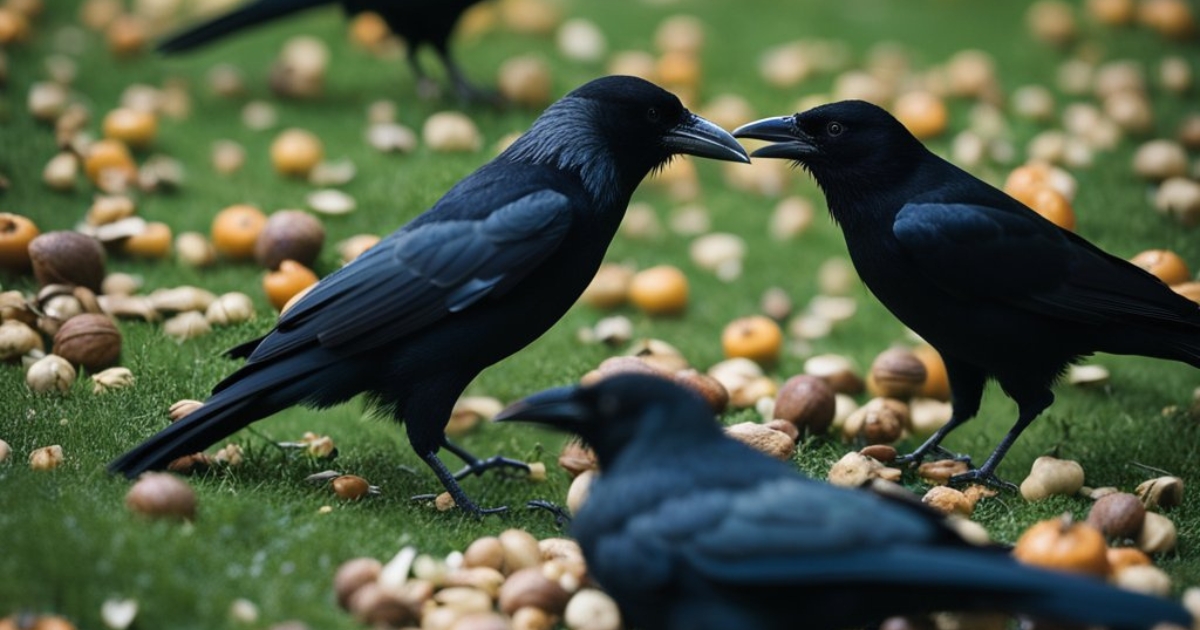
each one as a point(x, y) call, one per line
point(1117, 515)
point(940, 471)
point(709, 388)
point(67, 258)
point(948, 500)
point(807, 402)
point(763, 439)
point(162, 495)
point(836, 370)
point(896, 373)
point(521, 550)
point(609, 288)
point(372, 604)
point(351, 487)
point(289, 235)
point(46, 458)
point(576, 457)
point(880, 421)
point(529, 587)
point(91, 340)
point(353, 574)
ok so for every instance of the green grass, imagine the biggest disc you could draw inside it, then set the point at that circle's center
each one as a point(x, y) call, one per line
point(66, 541)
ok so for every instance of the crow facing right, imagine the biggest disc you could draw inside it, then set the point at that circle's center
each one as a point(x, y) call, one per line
point(488, 269)
point(688, 529)
point(999, 291)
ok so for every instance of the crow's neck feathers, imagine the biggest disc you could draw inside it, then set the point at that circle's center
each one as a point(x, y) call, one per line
point(563, 137)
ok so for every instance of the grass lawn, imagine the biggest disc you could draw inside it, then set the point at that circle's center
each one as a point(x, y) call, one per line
point(67, 543)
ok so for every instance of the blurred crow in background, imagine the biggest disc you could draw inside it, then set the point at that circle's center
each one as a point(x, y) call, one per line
point(417, 22)
point(999, 291)
point(493, 265)
point(689, 529)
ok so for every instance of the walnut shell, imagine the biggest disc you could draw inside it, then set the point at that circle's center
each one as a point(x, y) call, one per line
point(65, 257)
point(896, 373)
point(807, 402)
point(91, 340)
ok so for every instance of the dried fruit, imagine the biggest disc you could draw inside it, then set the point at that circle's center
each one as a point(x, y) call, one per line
point(90, 340)
point(807, 402)
point(1060, 543)
point(50, 373)
point(295, 152)
point(235, 230)
point(162, 495)
point(46, 458)
point(289, 234)
point(288, 281)
point(756, 337)
point(64, 257)
point(16, 233)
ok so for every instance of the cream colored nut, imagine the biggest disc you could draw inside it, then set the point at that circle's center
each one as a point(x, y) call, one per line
point(1179, 198)
point(118, 283)
point(581, 40)
point(469, 411)
point(18, 339)
point(1161, 492)
point(61, 172)
point(46, 458)
point(477, 621)
point(128, 306)
point(659, 354)
point(592, 609)
point(5, 451)
point(577, 494)
point(181, 299)
point(352, 575)
point(47, 100)
point(50, 373)
point(928, 415)
point(486, 579)
point(118, 614)
point(1052, 476)
point(836, 370)
point(180, 409)
point(529, 587)
point(1158, 160)
point(763, 439)
point(853, 470)
point(735, 373)
point(948, 500)
point(1158, 534)
point(791, 217)
point(1087, 375)
point(716, 249)
point(194, 249)
point(187, 325)
point(484, 552)
point(520, 550)
point(390, 137)
point(464, 599)
point(227, 157)
point(880, 421)
point(530, 618)
point(331, 201)
point(1144, 578)
point(446, 132)
point(229, 455)
point(609, 288)
point(525, 80)
point(162, 495)
point(112, 378)
point(230, 308)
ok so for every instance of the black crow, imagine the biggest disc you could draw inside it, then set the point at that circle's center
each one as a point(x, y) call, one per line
point(999, 291)
point(493, 265)
point(688, 529)
point(418, 22)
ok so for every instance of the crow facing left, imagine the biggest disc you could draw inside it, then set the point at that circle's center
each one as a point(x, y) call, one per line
point(488, 269)
point(418, 22)
point(688, 529)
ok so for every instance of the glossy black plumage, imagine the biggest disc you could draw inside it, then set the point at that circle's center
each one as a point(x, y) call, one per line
point(688, 529)
point(484, 272)
point(999, 291)
point(419, 23)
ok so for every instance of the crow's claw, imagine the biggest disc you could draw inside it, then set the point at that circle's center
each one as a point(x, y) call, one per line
point(981, 476)
point(480, 466)
point(916, 457)
point(561, 517)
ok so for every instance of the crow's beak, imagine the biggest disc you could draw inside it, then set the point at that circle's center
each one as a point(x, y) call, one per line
point(699, 137)
point(559, 408)
point(789, 141)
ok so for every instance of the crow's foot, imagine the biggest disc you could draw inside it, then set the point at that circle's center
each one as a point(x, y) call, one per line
point(981, 476)
point(561, 517)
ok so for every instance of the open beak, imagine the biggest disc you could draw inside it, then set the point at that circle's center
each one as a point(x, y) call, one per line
point(559, 408)
point(789, 141)
point(699, 137)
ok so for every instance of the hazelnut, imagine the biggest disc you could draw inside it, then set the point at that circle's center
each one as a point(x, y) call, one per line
point(235, 230)
point(295, 152)
point(112, 378)
point(162, 495)
point(1158, 534)
point(16, 234)
point(1118, 515)
point(286, 282)
point(451, 132)
point(592, 609)
point(351, 487)
point(529, 587)
point(289, 234)
point(756, 337)
point(484, 552)
point(18, 339)
point(353, 574)
point(67, 258)
point(896, 373)
point(1052, 476)
point(763, 439)
point(661, 290)
point(90, 340)
point(50, 373)
point(880, 421)
point(1161, 492)
point(807, 402)
point(46, 458)
point(882, 453)
point(709, 388)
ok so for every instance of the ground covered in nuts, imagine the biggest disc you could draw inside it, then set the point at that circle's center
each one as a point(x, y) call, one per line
point(265, 543)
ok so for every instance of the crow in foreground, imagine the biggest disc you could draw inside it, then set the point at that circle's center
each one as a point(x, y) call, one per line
point(417, 22)
point(688, 529)
point(493, 265)
point(998, 290)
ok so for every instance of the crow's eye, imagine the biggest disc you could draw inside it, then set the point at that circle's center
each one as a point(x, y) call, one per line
point(834, 128)
point(652, 114)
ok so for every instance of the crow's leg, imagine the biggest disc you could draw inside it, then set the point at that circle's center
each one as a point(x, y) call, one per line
point(427, 88)
point(966, 392)
point(476, 466)
point(1029, 407)
point(456, 492)
point(561, 517)
point(467, 92)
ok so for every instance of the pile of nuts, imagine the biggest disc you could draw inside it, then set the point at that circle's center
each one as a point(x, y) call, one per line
point(510, 581)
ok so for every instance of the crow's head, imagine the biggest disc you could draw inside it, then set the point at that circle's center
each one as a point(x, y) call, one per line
point(619, 412)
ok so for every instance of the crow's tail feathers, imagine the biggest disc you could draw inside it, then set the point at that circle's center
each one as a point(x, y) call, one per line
point(248, 16)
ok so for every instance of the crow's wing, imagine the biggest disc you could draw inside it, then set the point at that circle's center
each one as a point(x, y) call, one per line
point(423, 272)
point(1013, 256)
point(246, 16)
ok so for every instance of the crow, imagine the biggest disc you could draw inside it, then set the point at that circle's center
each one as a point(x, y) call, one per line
point(488, 269)
point(417, 22)
point(688, 529)
point(999, 291)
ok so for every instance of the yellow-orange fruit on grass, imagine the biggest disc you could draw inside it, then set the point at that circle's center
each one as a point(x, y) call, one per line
point(296, 151)
point(756, 337)
point(1165, 264)
point(16, 232)
point(1061, 544)
point(134, 127)
point(661, 290)
point(1054, 206)
point(235, 230)
point(291, 278)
